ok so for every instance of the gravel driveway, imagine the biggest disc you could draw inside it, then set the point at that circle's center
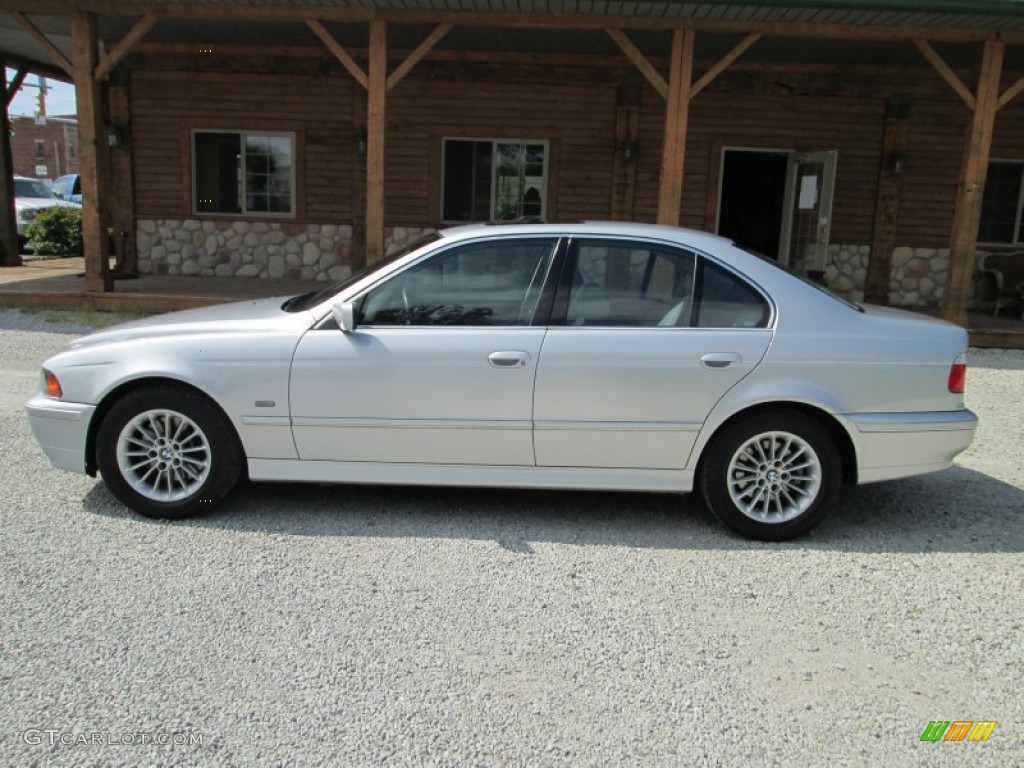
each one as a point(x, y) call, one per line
point(337, 626)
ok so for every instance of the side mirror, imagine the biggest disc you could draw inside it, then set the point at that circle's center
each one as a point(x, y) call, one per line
point(345, 316)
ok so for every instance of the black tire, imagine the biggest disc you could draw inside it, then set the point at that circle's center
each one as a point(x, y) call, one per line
point(168, 452)
point(772, 476)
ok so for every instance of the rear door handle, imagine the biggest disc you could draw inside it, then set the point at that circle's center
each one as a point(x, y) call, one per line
point(720, 359)
point(509, 359)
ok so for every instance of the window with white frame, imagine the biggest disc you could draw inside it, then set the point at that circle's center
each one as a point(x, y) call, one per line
point(243, 172)
point(494, 180)
point(1002, 207)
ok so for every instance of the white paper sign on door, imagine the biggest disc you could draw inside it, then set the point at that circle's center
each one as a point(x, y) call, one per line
point(808, 193)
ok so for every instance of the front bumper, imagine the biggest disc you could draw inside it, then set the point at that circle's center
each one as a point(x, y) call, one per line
point(895, 445)
point(61, 429)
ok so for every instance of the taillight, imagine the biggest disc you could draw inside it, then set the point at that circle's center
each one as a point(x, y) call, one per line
point(958, 375)
point(52, 385)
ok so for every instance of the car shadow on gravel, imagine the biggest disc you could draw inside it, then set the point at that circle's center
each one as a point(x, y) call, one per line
point(958, 510)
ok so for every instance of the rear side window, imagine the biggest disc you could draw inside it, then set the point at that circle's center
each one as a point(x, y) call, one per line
point(726, 301)
point(630, 285)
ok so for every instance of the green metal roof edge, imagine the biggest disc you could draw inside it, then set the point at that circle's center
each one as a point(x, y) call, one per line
point(978, 7)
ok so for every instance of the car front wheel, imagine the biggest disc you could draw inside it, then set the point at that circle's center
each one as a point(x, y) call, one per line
point(772, 476)
point(166, 451)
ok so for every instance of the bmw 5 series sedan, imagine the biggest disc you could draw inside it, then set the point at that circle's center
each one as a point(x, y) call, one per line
point(611, 356)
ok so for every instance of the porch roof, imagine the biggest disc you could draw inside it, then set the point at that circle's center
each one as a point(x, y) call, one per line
point(216, 21)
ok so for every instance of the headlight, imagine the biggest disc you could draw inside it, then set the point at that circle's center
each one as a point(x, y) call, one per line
point(51, 387)
point(27, 214)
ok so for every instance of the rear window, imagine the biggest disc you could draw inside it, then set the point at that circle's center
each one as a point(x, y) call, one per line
point(804, 279)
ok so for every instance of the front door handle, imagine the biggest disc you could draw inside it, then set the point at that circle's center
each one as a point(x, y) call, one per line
point(509, 359)
point(720, 359)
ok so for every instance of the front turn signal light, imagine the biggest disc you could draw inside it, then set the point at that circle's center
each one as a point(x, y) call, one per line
point(958, 375)
point(52, 385)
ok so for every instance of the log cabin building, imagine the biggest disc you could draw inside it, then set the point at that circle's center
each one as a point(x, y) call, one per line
point(850, 139)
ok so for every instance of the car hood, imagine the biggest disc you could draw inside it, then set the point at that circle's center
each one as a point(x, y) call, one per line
point(237, 317)
point(42, 202)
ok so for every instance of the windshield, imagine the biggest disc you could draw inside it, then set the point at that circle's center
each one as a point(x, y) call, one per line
point(309, 300)
point(803, 278)
point(31, 188)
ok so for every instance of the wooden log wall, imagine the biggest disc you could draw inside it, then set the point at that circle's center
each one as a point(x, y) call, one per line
point(575, 110)
point(577, 120)
point(168, 105)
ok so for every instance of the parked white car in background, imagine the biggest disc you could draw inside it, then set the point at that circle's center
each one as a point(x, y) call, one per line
point(30, 197)
point(601, 356)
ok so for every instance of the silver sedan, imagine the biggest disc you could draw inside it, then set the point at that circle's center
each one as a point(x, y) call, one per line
point(596, 356)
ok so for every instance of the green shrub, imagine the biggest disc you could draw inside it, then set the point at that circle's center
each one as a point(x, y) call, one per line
point(56, 231)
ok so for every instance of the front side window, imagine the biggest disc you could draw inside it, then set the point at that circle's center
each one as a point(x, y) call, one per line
point(487, 180)
point(480, 284)
point(1002, 207)
point(244, 172)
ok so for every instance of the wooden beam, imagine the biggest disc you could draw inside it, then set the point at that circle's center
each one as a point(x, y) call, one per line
point(725, 62)
point(44, 42)
point(1011, 93)
point(417, 55)
point(10, 253)
point(623, 192)
point(887, 211)
point(91, 158)
point(120, 190)
point(139, 31)
point(947, 74)
point(640, 61)
point(974, 169)
point(12, 89)
point(376, 131)
point(677, 115)
point(339, 53)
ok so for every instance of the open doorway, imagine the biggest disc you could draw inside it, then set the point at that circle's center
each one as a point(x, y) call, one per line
point(752, 198)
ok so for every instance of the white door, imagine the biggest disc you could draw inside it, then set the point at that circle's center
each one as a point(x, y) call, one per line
point(807, 221)
point(643, 355)
point(439, 369)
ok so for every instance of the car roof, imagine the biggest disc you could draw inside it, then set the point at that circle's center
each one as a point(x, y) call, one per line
point(619, 229)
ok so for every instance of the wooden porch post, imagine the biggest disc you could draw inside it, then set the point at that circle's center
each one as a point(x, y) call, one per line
point(677, 114)
point(887, 205)
point(376, 128)
point(9, 252)
point(84, 56)
point(973, 170)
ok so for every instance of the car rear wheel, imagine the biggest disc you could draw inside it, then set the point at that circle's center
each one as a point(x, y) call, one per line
point(772, 476)
point(166, 451)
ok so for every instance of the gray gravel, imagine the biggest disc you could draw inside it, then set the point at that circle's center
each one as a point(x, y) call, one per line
point(336, 626)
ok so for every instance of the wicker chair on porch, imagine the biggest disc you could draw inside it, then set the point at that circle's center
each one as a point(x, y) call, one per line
point(1005, 270)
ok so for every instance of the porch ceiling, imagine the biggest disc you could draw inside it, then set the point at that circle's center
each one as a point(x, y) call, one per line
point(259, 22)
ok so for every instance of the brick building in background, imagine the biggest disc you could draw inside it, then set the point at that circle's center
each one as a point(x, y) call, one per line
point(44, 148)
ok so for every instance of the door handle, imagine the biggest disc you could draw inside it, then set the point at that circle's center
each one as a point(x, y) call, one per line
point(720, 359)
point(509, 359)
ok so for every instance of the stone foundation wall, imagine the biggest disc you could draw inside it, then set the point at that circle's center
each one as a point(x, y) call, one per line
point(318, 252)
point(917, 279)
point(244, 249)
point(399, 237)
